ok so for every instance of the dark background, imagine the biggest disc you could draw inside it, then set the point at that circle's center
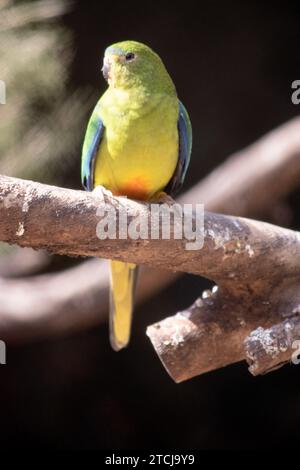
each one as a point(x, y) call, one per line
point(233, 64)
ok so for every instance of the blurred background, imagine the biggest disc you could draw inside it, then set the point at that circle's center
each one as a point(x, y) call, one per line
point(233, 64)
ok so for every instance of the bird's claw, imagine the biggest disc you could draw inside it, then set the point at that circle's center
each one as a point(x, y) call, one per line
point(105, 195)
point(102, 193)
point(164, 198)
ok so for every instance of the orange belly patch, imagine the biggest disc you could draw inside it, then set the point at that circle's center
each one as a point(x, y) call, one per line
point(134, 189)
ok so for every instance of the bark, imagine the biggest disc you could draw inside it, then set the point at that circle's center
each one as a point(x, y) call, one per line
point(235, 251)
point(54, 304)
point(217, 331)
point(254, 264)
point(248, 172)
point(268, 349)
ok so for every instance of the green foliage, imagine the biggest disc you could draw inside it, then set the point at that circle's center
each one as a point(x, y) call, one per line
point(42, 121)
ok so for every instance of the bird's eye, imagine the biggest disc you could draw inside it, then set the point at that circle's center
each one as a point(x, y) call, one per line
point(129, 56)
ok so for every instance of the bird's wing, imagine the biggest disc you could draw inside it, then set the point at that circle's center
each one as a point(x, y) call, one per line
point(93, 136)
point(184, 153)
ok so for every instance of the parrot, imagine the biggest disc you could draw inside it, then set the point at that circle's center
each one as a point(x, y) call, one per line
point(137, 144)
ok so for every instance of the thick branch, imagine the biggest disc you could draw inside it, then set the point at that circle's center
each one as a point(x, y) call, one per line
point(23, 262)
point(235, 252)
point(252, 181)
point(251, 176)
point(211, 333)
point(256, 266)
point(60, 303)
point(271, 348)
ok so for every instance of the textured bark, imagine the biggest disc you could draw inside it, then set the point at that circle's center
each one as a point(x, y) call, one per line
point(236, 251)
point(254, 264)
point(250, 174)
point(270, 348)
point(211, 333)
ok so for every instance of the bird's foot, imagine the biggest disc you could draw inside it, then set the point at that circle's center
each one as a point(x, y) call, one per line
point(105, 195)
point(164, 198)
point(102, 193)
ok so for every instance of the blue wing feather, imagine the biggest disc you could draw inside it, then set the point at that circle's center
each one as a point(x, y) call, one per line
point(90, 148)
point(184, 152)
point(94, 135)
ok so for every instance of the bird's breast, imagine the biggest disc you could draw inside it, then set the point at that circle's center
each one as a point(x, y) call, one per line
point(138, 154)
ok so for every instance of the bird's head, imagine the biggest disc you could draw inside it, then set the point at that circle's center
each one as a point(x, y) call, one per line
point(130, 63)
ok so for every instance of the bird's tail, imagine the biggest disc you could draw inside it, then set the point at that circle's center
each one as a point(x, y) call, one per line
point(122, 286)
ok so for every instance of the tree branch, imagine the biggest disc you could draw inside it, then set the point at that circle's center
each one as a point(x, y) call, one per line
point(244, 184)
point(71, 300)
point(268, 349)
point(25, 314)
point(65, 221)
point(211, 333)
point(256, 266)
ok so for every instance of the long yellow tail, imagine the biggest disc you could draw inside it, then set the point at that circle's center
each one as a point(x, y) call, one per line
point(122, 286)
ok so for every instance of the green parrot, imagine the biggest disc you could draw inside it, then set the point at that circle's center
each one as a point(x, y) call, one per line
point(137, 144)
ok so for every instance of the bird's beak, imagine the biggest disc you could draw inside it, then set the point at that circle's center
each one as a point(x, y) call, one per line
point(108, 60)
point(106, 68)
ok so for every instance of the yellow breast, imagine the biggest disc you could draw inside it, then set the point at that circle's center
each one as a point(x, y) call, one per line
point(139, 150)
